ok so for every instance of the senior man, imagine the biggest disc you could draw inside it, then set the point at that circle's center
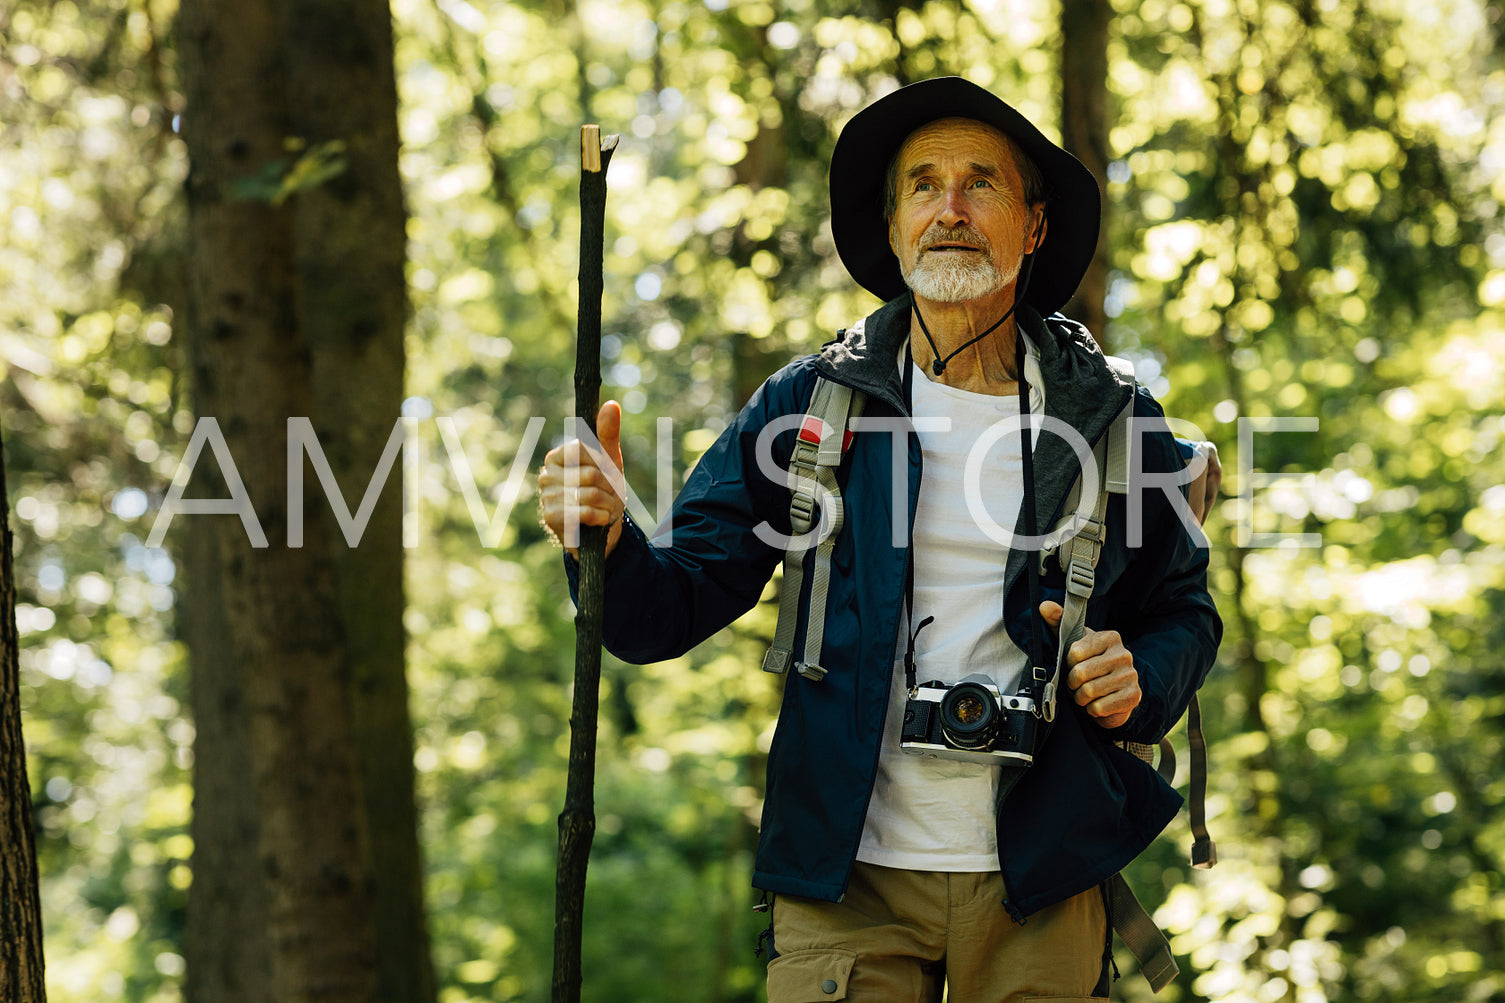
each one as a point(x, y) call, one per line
point(895, 875)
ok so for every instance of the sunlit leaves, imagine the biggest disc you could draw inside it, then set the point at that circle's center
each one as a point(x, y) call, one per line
point(89, 174)
point(1315, 255)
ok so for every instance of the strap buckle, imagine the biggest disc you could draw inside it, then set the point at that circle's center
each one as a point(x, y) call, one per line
point(1080, 579)
point(776, 661)
point(1045, 687)
point(810, 671)
point(801, 512)
point(1092, 529)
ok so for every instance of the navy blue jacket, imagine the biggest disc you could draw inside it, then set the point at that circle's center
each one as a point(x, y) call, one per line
point(1085, 808)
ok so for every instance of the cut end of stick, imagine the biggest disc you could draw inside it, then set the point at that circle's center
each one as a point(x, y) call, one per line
point(590, 148)
point(592, 145)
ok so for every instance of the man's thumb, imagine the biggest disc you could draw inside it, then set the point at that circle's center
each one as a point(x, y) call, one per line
point(609, 430)
point(1051, 611)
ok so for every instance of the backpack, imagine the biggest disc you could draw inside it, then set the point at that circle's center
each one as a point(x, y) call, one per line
point(822, 440)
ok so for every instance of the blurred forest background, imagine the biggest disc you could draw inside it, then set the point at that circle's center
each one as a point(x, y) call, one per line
point(1304, 205)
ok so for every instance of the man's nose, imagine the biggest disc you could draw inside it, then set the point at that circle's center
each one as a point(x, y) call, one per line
point(955, 211)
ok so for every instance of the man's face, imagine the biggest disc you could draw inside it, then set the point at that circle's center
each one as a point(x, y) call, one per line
point(960, 227)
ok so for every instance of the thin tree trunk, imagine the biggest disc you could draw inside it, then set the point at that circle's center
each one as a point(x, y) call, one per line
point(307, 876)
point(20, 902)
point(1084, 133)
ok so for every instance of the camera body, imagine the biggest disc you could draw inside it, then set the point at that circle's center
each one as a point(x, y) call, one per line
point(969, 721)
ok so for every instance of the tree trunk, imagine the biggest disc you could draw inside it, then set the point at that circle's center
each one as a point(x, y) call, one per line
point(307, 876)
point(20, 902)
point(1084, 133)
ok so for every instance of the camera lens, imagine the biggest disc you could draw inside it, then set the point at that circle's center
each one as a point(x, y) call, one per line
point(969, 716)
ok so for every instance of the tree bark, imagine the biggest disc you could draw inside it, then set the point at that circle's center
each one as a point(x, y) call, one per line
point(1084, 133)
point(20, 901)
point(307, 874)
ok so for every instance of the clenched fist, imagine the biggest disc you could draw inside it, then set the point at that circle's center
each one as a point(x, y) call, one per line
point(1100, 671)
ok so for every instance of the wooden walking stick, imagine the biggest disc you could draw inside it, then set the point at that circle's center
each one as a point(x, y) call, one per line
point(577, 823)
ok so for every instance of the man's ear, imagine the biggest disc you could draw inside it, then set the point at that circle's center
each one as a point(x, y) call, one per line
point(1038, 236)
point(893, 240)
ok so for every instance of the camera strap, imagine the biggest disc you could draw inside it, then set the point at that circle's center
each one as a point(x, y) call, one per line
point(910, 679)
point(1037, 680)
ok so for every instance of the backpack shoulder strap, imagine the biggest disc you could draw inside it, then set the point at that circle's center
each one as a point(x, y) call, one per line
point(822, 439)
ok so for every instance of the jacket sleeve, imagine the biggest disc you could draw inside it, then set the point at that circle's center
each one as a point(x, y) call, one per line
point(1160, 605)
point(706, 565)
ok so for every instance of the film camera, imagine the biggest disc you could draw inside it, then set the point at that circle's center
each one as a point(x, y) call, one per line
point(970, 721)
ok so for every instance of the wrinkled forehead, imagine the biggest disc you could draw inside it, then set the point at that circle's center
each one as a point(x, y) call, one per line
point(958, 137)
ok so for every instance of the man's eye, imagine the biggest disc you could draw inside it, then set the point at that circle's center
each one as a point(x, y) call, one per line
point(922, 186)
point(982, 183)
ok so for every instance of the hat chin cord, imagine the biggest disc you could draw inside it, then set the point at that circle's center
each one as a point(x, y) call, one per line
point(938, 364)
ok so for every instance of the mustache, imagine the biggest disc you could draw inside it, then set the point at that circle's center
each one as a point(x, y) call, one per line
point(963, 234)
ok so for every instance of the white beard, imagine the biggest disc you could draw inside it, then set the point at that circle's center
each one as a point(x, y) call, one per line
point(953, 277)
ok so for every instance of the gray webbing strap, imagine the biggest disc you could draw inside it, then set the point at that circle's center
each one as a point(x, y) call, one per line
point(781, 651)
point(1078, 557)
point(812, 463)
point(1140, 935)
point(1204, 852)
point(1167, 766)
point(820, 581)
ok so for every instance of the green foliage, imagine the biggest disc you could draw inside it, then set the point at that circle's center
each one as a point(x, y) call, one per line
point(1305, 198)
point(1327, 253)
point(283, 178)
point(89, 179)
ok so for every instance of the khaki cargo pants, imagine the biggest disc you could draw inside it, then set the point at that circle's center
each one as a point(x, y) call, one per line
point(899, 936)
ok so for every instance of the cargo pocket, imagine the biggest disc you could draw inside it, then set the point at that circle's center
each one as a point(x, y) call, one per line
point(810, 976)
point(1064, 999)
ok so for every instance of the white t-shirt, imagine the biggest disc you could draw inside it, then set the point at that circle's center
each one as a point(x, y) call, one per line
point(933, 814)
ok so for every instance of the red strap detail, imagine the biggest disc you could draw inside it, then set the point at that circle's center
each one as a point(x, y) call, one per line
point(810, 432)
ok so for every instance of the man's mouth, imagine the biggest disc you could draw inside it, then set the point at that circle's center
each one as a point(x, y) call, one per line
point(952, 247)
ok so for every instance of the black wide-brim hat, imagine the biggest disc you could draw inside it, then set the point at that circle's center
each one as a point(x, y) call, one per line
point(859, 165)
